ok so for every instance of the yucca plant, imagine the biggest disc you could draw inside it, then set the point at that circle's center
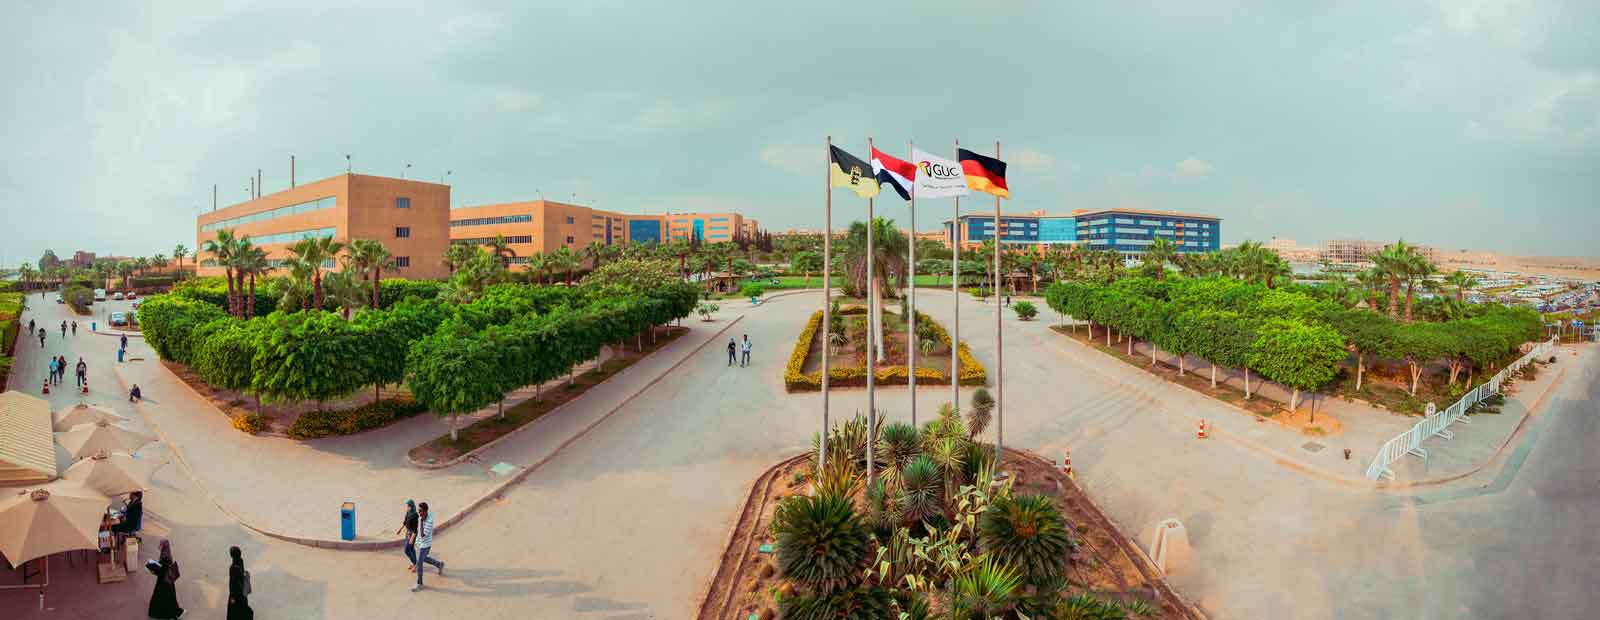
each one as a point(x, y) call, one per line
point(863, 603)
point(987, 589)
point(1028, 532)
point(1085, 607)
point(949, 454)
point(977, 465)
point(947, 424)
point(840, 479)
point(898, 444)
point(822, 544)
point(911, 605)
point(882, 507)
point(979, 413)
point(921, 490)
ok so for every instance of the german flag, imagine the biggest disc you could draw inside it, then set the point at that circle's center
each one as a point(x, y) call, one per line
point(848, 171)
point(984, 174)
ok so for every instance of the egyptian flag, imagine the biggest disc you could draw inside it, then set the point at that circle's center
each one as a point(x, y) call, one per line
point(896, 173)
point(984, 174)
point(848, 171)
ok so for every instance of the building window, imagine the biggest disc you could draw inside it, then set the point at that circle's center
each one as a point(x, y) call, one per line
point(402, 202)
point(569, 219)
point(319, 204)
point(490, 240)
point(402, 232)
point(570, 240)
point(484, 221)
point(402, 261)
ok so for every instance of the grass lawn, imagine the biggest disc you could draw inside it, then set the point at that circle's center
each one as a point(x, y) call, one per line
point(493, 427)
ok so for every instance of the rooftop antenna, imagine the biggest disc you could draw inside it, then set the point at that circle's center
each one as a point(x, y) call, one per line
point(403, 172)
point(347, 163)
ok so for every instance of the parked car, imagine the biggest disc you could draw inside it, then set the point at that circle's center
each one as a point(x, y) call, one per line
point(132, 295)
point(59, 300)
point(118, 296)
point(99, 294)
point(119, 318)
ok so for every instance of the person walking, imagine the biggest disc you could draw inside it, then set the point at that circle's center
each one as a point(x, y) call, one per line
point(164, 600)
point(63, 329)
point(425, 544)
point(238, 588)
point(61, 369)
point(124, 341)
point(83, 372)
point(74, 328)
point(30, 326)
point(744, 351)
point(52, 379)
point(733, 353)
point(408, 526)
point(41, 336)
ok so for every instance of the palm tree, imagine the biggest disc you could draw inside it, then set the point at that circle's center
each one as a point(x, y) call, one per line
point(221, 250)
point(563, 259)
point(822, 543)
point(125, 269)
point(316, 252)
point(159, 261)
point(1461, 281)
point(920, 493)
point(1418, 268)
point(595, 253)
point(1028, 532)
point(250, 262)
point(1370, 280)
point(458, 254)
point(368, 256)
point(1160, 253)
point(297, 287)
point(347, 288)
point(889, 251)
point(26, 274)
point(1394, 263)
point(179, 252)
point(537, 266)
point(501, 250)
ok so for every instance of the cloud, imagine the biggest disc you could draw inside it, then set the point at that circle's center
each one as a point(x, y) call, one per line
point(1032, 160)
point(790, 157)
point(1190, 169)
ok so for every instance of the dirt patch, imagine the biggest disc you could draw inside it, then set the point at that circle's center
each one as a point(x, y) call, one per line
point(1307, 419)
point(747, 581)
point(442, 448)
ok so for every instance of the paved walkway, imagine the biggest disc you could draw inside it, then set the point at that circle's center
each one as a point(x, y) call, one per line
point(585, 535)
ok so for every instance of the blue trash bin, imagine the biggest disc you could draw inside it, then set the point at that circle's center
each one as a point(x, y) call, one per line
point(347, 521)
point(119, 354)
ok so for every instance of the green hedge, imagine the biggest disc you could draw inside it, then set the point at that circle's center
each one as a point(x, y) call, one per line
point(314, 424)
point(152, 281)
point(79, 297)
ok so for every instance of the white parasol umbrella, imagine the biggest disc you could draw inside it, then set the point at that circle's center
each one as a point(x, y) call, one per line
point(86, 439)
point(112, 474)
point(85, 414)
point(56, 517)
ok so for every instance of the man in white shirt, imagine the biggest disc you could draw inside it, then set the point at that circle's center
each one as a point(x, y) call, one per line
point(425, 543)
point(744, 349)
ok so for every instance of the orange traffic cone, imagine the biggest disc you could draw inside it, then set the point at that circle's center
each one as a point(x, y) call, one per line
point(1066, 466)
point(85, 387)
point(1202, 433)
point(47, 386)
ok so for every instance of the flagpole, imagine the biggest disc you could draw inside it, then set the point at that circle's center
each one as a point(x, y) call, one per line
point(999, 340)
point(827, 295)
point(911, 301)
point(955, 295)
point(872, 358)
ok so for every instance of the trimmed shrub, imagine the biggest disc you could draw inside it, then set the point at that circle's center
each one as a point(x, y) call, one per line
point(251, 423)
point(1025, 310)
point(314, 424)
point(972, 372)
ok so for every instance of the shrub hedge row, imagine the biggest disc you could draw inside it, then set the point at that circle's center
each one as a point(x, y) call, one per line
point(314, 424)
point(796, 380)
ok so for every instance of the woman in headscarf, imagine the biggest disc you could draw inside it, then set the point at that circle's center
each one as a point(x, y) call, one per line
point(238, 588)
point(164, 601)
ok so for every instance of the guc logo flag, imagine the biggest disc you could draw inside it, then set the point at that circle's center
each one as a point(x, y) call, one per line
point(938, 177)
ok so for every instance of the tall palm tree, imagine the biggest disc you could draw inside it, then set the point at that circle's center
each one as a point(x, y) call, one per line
point(563, 259)
point(536, 267)
point(346, 287)
point(1160, 252)
point(1394, 263)
point(458, 254)
point(1371, 280)
point(368, 257)
point(501, 250)
point(595, 253)
point(315, 252)
point(125, 269)
point(1418, 268)
point(1461, 281)
point(250, 262)
point(180, 252)
point(297, 286)
point(159, 261)
point(26, 274)
point(889, 251)
point(221, 250)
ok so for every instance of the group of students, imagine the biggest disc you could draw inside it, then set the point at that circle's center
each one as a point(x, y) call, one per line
point(164, 600)
point(417, 526)
point(58, 370)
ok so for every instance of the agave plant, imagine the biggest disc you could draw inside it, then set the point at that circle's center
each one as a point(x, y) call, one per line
point(822, 544)
point(897, 445)
point(986, 590)
point(863, 603)
point(1028, 532)
point(947, 424)
point(1085, 607)
point(979, 414)
point(882, 506)
point(921, 493)
point(978, 463)
point(949, 454)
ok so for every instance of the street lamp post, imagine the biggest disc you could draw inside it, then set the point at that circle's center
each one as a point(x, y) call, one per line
point(347, 163)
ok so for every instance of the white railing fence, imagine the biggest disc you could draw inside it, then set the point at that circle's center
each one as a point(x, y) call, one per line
point(1438, 422)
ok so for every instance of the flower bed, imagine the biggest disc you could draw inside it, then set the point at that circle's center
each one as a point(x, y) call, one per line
point(795, 379)
point(314, 424)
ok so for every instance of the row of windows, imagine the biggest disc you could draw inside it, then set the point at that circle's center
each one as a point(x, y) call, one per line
point(484, 221)
point(489, 240)
point(319, 204)
point(291, 237)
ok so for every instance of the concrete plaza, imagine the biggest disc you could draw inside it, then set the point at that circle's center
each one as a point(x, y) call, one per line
point(627, 521)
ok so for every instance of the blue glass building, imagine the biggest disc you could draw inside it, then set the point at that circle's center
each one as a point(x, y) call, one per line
point(1130, 231)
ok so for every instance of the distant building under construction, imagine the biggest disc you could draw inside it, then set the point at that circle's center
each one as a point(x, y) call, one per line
point(1358, 251)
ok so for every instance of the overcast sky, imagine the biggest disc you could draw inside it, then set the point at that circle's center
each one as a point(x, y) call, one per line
point(1462, 124)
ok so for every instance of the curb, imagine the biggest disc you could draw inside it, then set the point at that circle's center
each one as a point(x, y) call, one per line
point(395, 543)
point(762, 482)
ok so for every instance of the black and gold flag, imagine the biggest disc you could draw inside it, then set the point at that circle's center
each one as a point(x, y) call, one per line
point(849, 172)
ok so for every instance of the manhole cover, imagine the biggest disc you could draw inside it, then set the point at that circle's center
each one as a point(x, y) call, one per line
point(1312, 446)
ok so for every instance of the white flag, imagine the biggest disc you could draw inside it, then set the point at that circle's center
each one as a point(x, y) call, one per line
point(938, 177)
